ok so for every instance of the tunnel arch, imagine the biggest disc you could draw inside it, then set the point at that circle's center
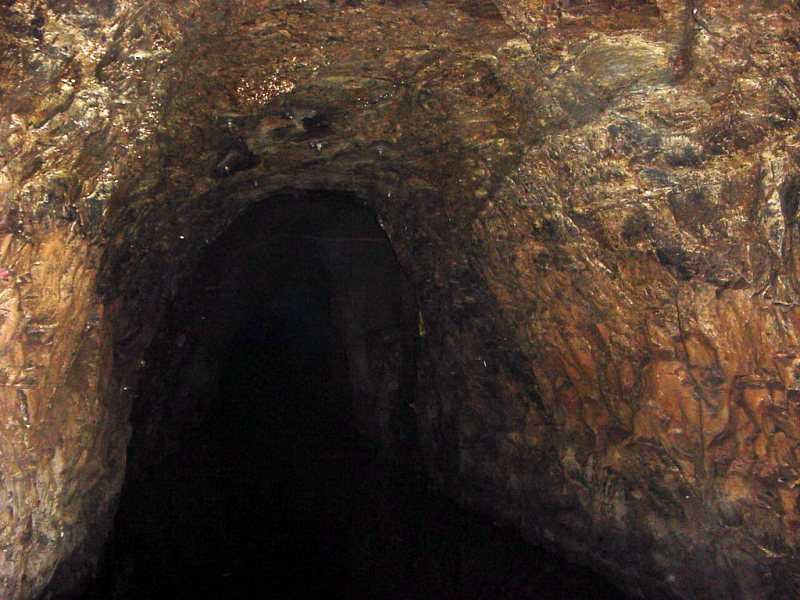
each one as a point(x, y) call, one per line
point(314, 271)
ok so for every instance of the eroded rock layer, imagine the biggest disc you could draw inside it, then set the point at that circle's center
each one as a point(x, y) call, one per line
point(596, 202)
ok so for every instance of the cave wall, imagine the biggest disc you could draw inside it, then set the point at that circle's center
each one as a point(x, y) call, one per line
point(596, 203)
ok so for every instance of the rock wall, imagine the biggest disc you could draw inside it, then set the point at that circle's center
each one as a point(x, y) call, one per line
point(596, 202)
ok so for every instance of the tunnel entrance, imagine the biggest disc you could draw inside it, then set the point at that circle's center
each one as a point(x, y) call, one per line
point(274, 450)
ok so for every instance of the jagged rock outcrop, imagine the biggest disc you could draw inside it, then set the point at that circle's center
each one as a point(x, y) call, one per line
point(596, 202)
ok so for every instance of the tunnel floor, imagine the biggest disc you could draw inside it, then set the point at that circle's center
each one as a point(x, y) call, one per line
point(275, 494)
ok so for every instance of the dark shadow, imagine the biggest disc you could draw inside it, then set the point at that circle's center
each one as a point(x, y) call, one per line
point(274, 452)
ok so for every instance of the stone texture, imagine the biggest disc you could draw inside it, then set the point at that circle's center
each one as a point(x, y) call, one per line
point(595, 200)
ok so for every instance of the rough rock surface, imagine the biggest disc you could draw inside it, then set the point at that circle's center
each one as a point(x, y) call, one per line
point(597, 203)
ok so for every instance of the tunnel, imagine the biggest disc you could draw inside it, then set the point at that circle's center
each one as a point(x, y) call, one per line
point(274, 449)
point(391, 298)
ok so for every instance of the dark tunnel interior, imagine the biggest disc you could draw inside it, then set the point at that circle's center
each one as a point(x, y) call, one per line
point(274, 452)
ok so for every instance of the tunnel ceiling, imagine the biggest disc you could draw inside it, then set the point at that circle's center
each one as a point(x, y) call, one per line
point(596, 202)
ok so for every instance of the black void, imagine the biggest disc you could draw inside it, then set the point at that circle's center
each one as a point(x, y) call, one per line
point(274, 451)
